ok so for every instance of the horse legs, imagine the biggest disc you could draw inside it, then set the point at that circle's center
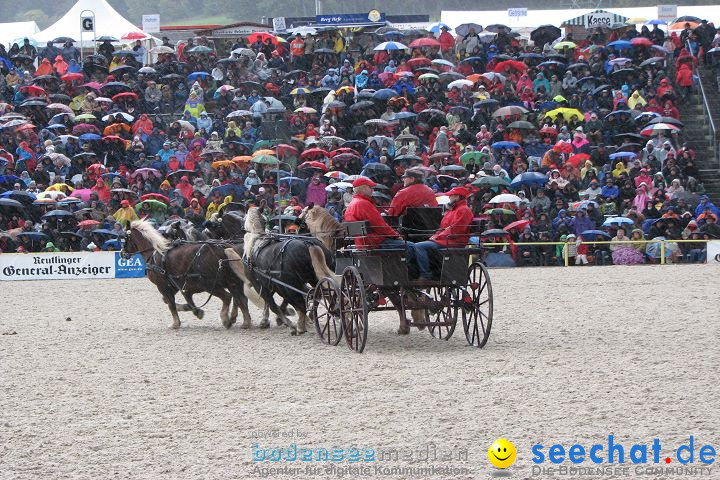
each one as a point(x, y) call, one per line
point(190, 306)
point(223, 295)
point(270, 301)
point(169, 299)
point(404, 328)
point(241, 301)
point(265, 322)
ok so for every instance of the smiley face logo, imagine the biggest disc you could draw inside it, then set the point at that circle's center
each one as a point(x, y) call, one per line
point(502, 453)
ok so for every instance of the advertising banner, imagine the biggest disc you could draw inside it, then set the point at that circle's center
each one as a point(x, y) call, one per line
point(69, 266)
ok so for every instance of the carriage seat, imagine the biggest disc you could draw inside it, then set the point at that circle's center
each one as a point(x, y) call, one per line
point(418, 224)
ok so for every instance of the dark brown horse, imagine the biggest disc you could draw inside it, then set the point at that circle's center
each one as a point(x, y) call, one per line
point(188, 268)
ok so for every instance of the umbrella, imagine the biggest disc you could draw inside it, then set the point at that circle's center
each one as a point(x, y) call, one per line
point(300, 91)
point(145, 173)
point(9, 202)
point(493, 232)
point(545, 34)
point(618, 221)
point(464, 29)
point(593, 234)
point(505, 144)
point(19, 195)
point(657, 128)
point(265, 159)
point(201, 50)
point(390, 46)
point(620, 44)
point(57, 214)
point(616, 155)
point(651, 61)
point(453, 169)
point(106, 38)
point(528, 178)
point(424, 42)
point(384, 94)
point(491, 181)
point(337, 175)
point(499, 211)
point(436, 27)
point(61, 107)
point(313, 165)
point(641, 42)
point(473, 157)
point(33, 236)
point(519, 224)
point(195, 75)
point(563, 45)
point(509, 110)
point(497, 28)
point(576, 160)
point(563, 147)
point(361, 105)
point(82, 193)
point(134, 36)
point(670, 120)
point(567, 113)
point(90, 137)
point(460, 84)
point(153, 204)
point(505, 198)
point(88, 223)
point(656, 22)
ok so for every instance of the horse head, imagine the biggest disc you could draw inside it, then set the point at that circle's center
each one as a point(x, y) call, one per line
point(142, 237)
point(254, 221)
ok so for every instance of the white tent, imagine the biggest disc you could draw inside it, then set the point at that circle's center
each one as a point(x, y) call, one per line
point(107, 22)
point(10, 32)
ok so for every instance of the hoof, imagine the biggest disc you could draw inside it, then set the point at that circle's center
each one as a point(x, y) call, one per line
point(403, 330)
point(175, 326)
point(245, 326)
point(199, 313)
point(264, 325)
point(421, 327)
point(227, 325)
point(293, 332)
point(300, 332)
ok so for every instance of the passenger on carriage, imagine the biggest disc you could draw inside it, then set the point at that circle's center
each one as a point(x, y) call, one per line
point(454, 231)
point(362, 209)
point(414, 194)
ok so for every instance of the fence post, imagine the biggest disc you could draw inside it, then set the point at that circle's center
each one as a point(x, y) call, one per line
point(662, 252)
point(565, 254)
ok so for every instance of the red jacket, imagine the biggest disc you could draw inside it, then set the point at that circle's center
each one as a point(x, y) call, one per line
point(446, 40)
point(455, 226)
point(363, 209)
point(417, 195)
point(684, 76)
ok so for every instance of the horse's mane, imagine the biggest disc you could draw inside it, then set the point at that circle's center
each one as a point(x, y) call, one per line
point(321, 224)
point(159, 243)
point(253, 230)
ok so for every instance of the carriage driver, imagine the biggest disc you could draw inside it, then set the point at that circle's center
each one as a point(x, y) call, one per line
point(454, 231)
point(363, 209)
point(414, 194)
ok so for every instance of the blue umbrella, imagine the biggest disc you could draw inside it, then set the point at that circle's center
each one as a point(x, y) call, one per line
point(544, 106)
point(9, 179)
point(56, 126)
point(613, 156)
point(585, 204)
point(228, 189)
point(390, 46)
point(654, 249)
point(620, 44)
point(646, 116)
point(656, 22)
point(392, 33)
point(474, 59)
point(57, 214)
point(279, 173)
point(195, 75)
point(114, 244)
point(9, 202)
point(89, 136)
point(111, 175)
point(69, 201)
point(435, 27)
point(619, 221)
point(104, 231)
point(531, 55)
point(505, 144)
point(19, 195)
point(290, 180)
point(659, 48)
point(403, 115)
point(551, 64)
point(34, 236)
point(384, 94)
point(593, 234)
point(528, 178)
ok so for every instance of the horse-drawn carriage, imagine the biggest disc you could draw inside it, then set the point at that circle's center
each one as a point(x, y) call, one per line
point(381, 280)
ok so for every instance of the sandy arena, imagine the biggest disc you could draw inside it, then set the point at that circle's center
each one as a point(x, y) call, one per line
point(96, 386)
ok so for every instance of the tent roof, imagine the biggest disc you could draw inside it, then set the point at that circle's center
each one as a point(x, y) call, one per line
point(107, 22)
point(17, 30)
point(580, 19)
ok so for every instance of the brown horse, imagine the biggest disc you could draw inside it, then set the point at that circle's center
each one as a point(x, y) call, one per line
point(188, 268)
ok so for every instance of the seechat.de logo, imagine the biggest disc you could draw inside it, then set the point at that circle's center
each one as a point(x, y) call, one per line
point(502, 453)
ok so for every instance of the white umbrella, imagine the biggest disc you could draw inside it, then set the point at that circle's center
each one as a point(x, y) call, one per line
point(186, 125)
point(246, 52)
point(339, 185)
point(506, 198)
point(162, 49)
point(103, 100)
point(126, 116)
point(147, 70)
point(440, 61)
point(460, 83)
point(304, 30)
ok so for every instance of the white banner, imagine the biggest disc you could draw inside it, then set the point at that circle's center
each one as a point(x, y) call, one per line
point(151, 23)
point(69, 266)
point(594, 20)
point(517, 12)
point(667, 12)
point(713, 251)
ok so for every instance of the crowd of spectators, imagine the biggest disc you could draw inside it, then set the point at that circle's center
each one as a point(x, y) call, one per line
point(581, 130)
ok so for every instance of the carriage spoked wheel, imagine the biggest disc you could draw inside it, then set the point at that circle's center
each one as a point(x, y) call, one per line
point(447, 312)
point(353, 309)
point(477, 306)
point(324, 309)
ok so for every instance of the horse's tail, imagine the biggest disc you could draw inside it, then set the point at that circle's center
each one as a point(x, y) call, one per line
point(317, 257)
point(238, 268)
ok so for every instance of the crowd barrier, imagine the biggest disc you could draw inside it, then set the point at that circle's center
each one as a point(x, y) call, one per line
point(69, 266)
point(712, 246)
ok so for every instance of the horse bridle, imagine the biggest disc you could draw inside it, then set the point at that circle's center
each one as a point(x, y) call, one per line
point(124, 244)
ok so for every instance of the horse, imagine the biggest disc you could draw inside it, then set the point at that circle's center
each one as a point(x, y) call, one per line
point(325, 228)
point(189, 268)
point(295, 262)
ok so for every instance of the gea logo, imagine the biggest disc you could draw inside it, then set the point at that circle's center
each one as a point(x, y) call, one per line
point(131, 262)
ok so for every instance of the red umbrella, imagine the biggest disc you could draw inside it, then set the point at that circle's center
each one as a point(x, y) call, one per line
point(318, 165)
point(93, 85)
point(96, 169)
point(418, 62)
point(519, 224)
point(88, 223)
point(285, 149)
point(145, 173)
point(155, 196)
point(124, 95)
point(69, 77)
point(313, 153)
point(27, 126)
point(563, 147)
point(424, 42)
point(85, 128)
point(641, 42)
point(113, 138)
point(263, 37)
point(576, 160)
point(84, 195)
point(34, 90)
point(342, 150)
point(549, 130)
point(134, 36)
point(502, 67)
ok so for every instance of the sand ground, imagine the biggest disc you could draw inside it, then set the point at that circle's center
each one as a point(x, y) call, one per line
point(575, 355)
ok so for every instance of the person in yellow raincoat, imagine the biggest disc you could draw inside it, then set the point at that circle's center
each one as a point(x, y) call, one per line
point(215, 206)
point(636, 100)
point(194, 105)
point(125, 214)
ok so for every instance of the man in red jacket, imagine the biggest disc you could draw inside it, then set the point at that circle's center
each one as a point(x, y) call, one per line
point(362, 209)
point(415, 194)
point(447, 42)
point(454, 231)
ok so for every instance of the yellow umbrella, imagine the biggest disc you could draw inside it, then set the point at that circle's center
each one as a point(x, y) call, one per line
point(58, 186)
point(264, 151)
point(223, 163)
point(636, 21)
point(561, 45)
point(566, 112)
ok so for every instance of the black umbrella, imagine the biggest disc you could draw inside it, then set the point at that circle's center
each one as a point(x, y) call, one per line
point(497, 28)
point(545, 34)
point(9, 202)
point(63, 40)
point(21, 58)
point(106, 38)
point(361, 105)
point(588, 79)
point(670, 120)
point(651, 61)
point(574, 66)
point(60, 98)
point(600, 89)
point(57, 214)
point(688, 18)
point(377, 167)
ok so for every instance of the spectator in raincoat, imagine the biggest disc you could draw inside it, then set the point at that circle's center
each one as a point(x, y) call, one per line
point(315, 192)
point(125, 214)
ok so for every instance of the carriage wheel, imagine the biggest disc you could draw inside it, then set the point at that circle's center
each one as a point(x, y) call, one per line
point(353, 309)
point(324, 309)
point(449, 298)
point(477, 309)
